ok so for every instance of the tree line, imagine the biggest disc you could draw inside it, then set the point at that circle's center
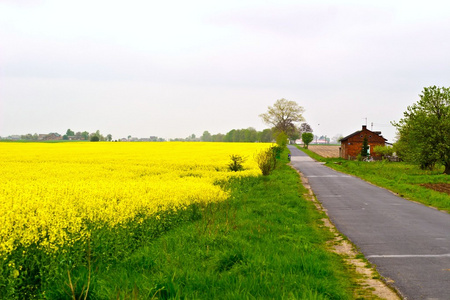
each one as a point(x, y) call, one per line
point(283, 117)
point(70, 135)
point(249, 135)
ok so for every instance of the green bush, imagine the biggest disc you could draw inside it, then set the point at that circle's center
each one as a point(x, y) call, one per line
point(266, 160)
point(236, 163)
point(282, 139)
point(384, 150)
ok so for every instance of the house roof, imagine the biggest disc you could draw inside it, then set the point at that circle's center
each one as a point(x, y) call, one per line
point(364, 128)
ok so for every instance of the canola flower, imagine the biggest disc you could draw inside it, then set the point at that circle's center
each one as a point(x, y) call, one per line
point(49, 192)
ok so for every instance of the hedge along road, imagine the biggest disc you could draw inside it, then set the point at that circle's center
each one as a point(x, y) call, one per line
point(408, 242)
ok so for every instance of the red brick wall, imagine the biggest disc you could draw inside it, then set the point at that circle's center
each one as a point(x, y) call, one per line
point(351, 147)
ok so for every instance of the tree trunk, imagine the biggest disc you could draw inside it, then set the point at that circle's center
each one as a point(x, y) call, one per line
point(447, 168)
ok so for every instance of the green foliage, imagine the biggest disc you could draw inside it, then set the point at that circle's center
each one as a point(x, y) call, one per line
point(94, 138)
point(307, 138)
point(265, 136)
point(295, 135)
point(236, 163)
point(384, 151)
point(70, 132)
point(248, 135)
point(266, 160)
point(241, 135)
point(365, 147)
point(206, 137)
point(424, 131)
point(282, 139)
point(85, 135)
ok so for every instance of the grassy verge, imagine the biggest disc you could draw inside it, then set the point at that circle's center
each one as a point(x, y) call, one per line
point(265, 242)
point(399, 177)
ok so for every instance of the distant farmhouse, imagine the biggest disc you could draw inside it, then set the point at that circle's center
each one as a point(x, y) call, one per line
point(351, 145)
point(50, 137)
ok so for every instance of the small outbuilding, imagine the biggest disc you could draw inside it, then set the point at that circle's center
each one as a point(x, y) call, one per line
point(351, 145)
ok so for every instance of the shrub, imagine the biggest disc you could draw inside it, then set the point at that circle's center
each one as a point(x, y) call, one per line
point(384, 150)
point(266, 160)
point(236, 163)
point(282, 139)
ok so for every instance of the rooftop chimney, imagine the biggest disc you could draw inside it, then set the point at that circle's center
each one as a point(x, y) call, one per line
point(364, 127)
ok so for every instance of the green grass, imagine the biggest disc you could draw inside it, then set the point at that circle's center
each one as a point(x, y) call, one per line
point(399, 177)
point(312, 154)
point(265, 242)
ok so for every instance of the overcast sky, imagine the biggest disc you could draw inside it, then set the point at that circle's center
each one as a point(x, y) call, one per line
point(175, 68)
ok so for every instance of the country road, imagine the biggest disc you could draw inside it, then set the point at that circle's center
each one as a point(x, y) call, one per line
point(408, 242)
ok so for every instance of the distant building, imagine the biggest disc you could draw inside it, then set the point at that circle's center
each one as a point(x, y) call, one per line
point(53, 136)
point(323, 140)
point(351, 145)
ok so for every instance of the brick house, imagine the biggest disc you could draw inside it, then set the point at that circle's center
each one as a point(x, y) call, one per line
point(50, 137)
point(351, 145)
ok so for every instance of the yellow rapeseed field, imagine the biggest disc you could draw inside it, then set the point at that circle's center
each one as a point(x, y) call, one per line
point(49, 192)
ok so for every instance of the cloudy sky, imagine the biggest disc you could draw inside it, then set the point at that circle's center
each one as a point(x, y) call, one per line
point(176, 68)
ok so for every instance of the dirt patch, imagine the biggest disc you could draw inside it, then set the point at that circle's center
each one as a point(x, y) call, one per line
point(371, 287)
point(325, 151)
point(440, 187)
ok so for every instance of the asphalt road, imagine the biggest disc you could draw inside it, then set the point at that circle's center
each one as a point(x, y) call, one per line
point(408, 242)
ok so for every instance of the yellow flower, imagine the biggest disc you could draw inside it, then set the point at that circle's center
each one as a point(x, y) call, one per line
point(49, 191)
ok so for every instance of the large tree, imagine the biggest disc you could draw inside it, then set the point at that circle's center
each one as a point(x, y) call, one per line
point(283, 115)
point(424, 132)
